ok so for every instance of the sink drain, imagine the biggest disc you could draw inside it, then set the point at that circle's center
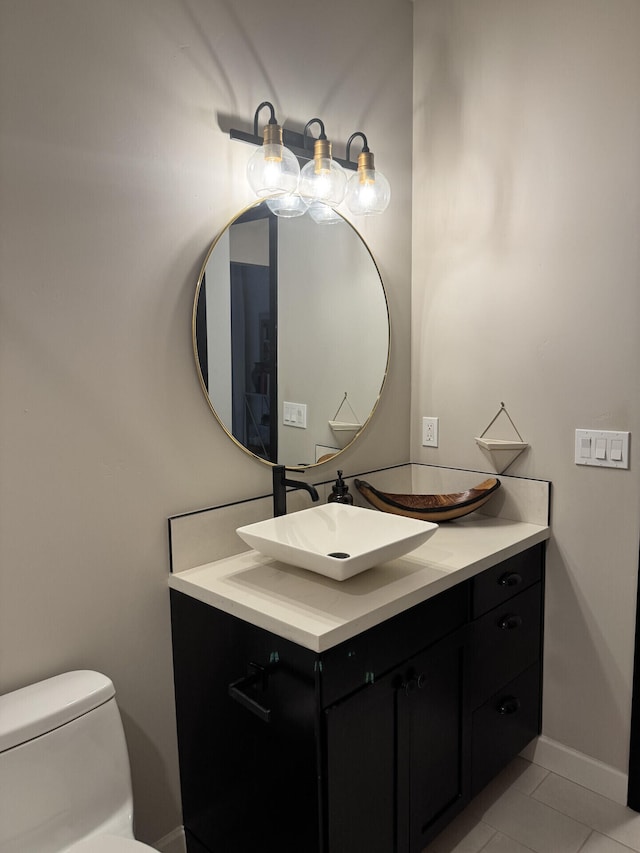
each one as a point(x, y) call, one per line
point(340, 555)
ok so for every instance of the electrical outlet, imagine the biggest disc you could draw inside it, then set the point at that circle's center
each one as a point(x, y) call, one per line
point(430, 432)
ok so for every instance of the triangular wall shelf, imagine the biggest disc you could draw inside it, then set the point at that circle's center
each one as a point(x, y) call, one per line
point(500, 444)
point(344, 426)
point(347, 428)
point(498, 448)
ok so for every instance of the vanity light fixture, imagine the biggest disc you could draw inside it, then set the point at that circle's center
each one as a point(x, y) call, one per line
point(321, 185)
point(272, 170)
point(368, 191)
point(322, 179)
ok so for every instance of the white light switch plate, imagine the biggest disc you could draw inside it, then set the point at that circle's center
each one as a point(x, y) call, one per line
point(602, 448)
point(295, 415)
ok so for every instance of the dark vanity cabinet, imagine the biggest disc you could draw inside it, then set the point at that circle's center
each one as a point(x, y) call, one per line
point(373, 745)
point(505, 662)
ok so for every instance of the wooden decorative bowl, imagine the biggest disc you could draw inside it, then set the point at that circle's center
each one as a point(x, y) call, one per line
point(430, 507)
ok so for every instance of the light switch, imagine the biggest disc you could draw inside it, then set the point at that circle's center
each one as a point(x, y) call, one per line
point(602, 448)
point(295, 415)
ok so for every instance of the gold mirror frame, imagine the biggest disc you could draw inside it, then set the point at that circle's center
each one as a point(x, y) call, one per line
point(203, 383)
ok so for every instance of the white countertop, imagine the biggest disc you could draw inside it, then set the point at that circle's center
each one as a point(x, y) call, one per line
point(319, 613)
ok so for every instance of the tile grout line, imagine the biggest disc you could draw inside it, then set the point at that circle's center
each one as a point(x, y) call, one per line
point(529, 796)
point(489, 840)
point(559, 810)
point(582, 846)
point(506, 835)
point(571, 817)
point(609, 838)
point(593, 833)
point(546, 776)
point(593, 829)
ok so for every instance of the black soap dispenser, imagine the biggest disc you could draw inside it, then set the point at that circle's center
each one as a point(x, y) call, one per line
point(340, 492)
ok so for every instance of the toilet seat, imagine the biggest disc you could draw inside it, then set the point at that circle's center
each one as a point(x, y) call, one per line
point(109, 844)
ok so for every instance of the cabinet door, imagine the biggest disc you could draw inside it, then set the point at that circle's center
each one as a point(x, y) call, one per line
point(360, 771)
point(431, 742)
point(249, 781)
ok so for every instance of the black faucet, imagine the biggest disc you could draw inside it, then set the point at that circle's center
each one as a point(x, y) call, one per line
point(280, 484)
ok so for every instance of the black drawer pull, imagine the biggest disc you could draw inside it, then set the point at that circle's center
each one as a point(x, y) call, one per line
point(236, 691)
point(413, 683)
point(509, 621)
point(510, 579)
point(508, 705)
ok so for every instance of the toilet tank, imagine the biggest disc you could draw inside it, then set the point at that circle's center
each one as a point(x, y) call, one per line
point(64, 767)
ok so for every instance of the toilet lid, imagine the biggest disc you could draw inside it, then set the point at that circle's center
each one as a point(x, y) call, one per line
point(109, 844)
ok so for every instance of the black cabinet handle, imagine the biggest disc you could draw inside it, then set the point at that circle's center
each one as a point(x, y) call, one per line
point(236, 691)
point(413, 683)
point(508, 705)
point(509, 621)
point(510, 579)
point(409, 685)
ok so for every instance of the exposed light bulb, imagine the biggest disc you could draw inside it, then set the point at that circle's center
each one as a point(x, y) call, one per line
point(368, 191)
point(273, 170)
point(322, 179)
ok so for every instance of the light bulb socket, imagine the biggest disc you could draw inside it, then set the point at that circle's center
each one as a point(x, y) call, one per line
point(365, 161)
point(272, 134)
point(321, 150)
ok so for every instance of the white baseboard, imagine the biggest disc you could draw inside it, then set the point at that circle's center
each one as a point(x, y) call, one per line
point(174, 842)
point(579, 768)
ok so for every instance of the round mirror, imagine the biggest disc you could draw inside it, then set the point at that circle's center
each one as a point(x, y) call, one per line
point(290, 335)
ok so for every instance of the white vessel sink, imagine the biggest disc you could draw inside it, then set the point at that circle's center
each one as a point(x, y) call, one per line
point(336, 540)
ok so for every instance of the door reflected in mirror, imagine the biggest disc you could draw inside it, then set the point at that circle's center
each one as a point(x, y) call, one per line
point(290, 335)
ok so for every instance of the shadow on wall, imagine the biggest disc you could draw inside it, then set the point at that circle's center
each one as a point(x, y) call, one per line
point(575, 674)
point(470, 176)
point(357, 62)
point(143, 754)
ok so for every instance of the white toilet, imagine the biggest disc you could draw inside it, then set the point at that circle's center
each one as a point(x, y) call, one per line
point(65, 781)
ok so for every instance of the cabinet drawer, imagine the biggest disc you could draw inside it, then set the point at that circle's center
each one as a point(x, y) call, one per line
point(505, 641)
point(499, 583)
point(368, 656)
point(503, 726)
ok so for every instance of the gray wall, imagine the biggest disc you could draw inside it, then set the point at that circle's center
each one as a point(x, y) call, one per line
point(526, 270)
point(115, 178)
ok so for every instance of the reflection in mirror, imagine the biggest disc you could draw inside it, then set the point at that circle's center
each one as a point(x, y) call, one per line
point(291, 335)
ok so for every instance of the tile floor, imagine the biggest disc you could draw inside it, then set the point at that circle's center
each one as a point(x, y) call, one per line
point(527, 809)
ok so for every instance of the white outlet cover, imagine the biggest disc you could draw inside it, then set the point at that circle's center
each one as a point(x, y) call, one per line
point(430, 432)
